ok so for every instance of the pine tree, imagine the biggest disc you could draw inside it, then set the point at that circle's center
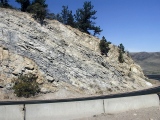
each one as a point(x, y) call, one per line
point(50, 16)
point(39, 9)
point(97, 30)
point(84, 17)
point(104, 46)
point(67, 17)
point(58, 17)
point(121, 52)
point(24, 4)
point(64, 14)
point(5, 4)
point(120, 57)
point(39, 12)
point(70, 20)
point(2, 2)
point(41, 2)
point(121, 47)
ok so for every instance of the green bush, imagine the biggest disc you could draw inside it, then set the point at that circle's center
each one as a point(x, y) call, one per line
point(26, 85)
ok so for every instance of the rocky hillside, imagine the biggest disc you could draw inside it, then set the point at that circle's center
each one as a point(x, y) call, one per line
point(149, 61)
point(62, 57)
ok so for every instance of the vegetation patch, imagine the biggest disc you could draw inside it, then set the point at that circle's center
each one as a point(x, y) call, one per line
point(121, 52)
point(104, 46)
point(26, 85)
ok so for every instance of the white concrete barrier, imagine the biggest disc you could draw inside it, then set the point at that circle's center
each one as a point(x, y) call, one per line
point(11, 112)
point(76, 109)
point(116, 105)
point(64, 110)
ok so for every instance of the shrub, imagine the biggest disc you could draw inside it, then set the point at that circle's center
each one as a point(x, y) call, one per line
point(26, 85)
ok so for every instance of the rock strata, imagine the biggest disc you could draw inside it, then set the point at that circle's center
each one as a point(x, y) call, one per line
point(61, 55)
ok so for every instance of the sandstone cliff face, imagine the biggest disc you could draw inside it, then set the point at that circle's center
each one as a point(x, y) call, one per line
point(61, 56)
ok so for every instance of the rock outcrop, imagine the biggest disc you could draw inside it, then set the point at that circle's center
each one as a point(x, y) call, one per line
point(61, 56)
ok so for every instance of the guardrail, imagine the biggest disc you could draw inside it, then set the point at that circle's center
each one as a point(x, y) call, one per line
point(64, 109)
point(155, 90)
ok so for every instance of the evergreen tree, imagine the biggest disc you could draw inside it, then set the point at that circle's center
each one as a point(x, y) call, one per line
point(24, 4)
point(50, 16)
point(70, 20)
point(84, 17)
point(121, 47)
point(39, 11)
point(97, 30)
point(67, 17)
point(41, 2)
point(64, 14)
point(58, 17)
point(4, 3)
point(120, 57)
point(121, 52)
point(53, 16)
point(104, 46)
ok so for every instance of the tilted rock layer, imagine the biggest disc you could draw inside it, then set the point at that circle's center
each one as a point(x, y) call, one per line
point(61, 56)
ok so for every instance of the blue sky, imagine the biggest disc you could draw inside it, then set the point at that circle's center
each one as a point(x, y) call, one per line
point(135, 23)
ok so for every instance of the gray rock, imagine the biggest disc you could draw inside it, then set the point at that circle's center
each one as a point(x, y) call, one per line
point(50, 79)
point(44, 90)
point(61, 52)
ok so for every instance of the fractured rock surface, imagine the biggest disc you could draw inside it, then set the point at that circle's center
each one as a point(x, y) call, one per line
point(61, 55)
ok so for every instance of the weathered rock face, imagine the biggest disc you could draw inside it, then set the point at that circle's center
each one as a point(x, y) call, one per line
point(13, 64)
point(61, 55)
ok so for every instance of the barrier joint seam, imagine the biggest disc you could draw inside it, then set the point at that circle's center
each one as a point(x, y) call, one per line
point(24, 112)
point(104, 107)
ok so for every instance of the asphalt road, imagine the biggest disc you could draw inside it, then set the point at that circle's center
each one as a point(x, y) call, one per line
point(155, 90)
